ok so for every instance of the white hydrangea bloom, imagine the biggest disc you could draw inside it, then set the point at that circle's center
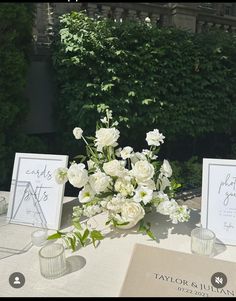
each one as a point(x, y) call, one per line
point(143, 194)
point(116, 203)
point(77, 212)
point(124, 186)
point(90, 211)
point(154, 137)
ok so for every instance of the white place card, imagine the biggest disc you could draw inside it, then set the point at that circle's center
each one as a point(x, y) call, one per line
point(218, 208)
point(35, 197)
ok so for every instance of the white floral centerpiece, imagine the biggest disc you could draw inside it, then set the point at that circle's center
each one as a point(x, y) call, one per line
point(120, 182)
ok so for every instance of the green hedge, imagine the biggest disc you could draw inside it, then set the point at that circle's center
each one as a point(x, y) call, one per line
point(165, 78)
point(16, 21)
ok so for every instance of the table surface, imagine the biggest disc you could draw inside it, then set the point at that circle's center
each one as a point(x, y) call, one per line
point(94, 272)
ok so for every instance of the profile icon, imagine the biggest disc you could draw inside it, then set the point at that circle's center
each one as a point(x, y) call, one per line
point(17, 280)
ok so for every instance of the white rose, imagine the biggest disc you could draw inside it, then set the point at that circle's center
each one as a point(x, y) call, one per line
point(154, 137)
point(77, 133)
point(77, 175)
point(106, 137)
point(99, 181)
point(126, 152)
point(165, 169)
point(131, 212)
point(143, 171)
point(113, 168)
point(60, 175)
point(86, 194)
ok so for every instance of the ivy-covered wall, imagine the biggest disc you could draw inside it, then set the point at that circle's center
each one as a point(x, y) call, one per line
point(165, 78)
point(16, 21)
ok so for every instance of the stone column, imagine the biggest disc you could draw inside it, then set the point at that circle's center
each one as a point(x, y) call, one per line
point(132, 14)
point(154, 18)
point(184, 16)
point(143, 15)
point(118, 14)
point(92, 9)
point(199, 26)
point(105, 11)
point(234, 9)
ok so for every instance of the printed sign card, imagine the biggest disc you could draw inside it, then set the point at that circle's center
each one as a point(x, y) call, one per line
point(35, 197)
point(218, 209)
point(156, 272)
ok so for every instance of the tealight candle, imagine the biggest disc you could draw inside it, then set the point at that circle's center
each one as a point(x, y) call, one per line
point(202, 241)
point(39, 237)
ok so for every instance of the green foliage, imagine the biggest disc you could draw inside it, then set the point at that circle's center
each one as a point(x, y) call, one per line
point(188, 173)
point(16, 21)
point(79, 237)
point(146, 229)
point(165, 78)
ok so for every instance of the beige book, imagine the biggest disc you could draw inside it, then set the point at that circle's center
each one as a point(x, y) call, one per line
point(156, 272)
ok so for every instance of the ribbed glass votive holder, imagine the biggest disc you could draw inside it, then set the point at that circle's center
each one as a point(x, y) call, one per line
point(202, 241)
point(52, 261)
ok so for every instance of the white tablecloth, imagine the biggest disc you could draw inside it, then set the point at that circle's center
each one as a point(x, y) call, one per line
point(95, 272)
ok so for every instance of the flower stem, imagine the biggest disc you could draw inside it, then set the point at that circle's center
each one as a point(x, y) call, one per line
point(88, 146)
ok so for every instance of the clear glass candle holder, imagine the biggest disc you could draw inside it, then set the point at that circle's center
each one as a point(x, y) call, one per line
point(39, 237)
point(202, 241)
point(52, 261)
